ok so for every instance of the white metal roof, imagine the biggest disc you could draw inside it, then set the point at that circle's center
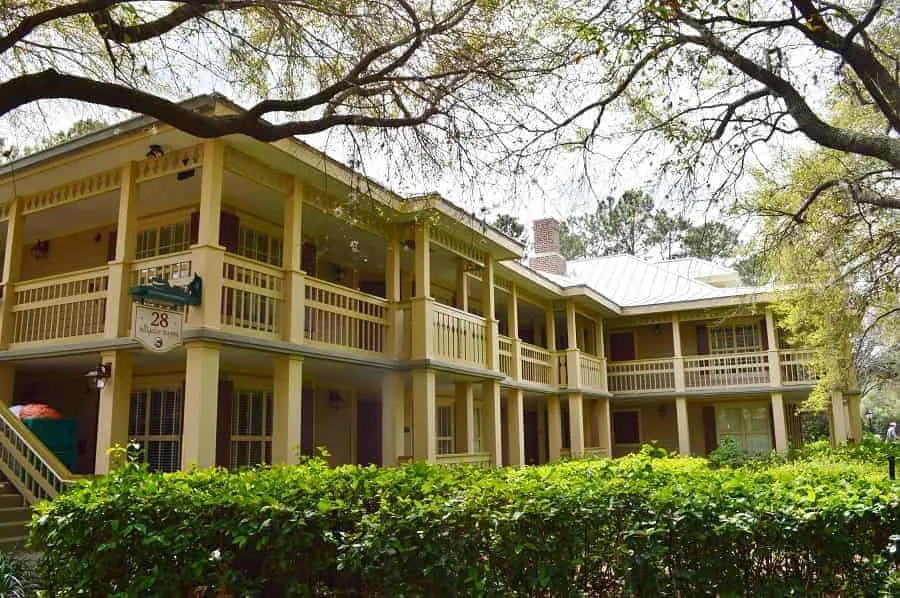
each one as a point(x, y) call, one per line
point(631, 282)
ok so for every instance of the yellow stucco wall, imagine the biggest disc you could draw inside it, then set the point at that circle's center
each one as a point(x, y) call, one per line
point(67, 253)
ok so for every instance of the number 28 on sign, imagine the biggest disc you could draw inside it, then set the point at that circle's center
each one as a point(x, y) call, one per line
point(159, 330)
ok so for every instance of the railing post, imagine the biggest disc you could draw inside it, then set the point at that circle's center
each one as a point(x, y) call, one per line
point(292, 248)
point(118, 314)
point(678, 358)
point(515, 358)
point(208, 256)
point(573, 362)
point(773, 355)
point(421, 305)
point(12, 265)
point(550, 325)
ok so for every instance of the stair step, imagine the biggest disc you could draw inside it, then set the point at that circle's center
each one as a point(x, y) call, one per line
point(7, 488)
point(15, 514)
point(10, 500)
point(13, 529)
point(13, 544)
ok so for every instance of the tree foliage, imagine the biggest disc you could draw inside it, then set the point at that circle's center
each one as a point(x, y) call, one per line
point(511, 227)
point(838, 259)
point(632, 225)
point(718, 81)
point(310, 64)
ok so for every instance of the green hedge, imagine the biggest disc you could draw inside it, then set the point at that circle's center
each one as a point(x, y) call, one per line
point(636, 526)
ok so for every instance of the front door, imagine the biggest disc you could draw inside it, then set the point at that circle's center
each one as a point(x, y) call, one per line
point(368, 424)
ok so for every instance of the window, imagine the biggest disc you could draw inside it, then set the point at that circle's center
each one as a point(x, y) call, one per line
point(749, 427)
point(444, 427)
point(257, 245)
point(164, 239)
point(739, 338)
point(251, 428)
point(154, 423)
point(476, 427)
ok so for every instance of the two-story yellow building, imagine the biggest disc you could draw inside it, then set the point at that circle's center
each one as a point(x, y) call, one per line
point(336, 313)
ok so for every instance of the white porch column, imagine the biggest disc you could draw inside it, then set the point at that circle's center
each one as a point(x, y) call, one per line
point(554, 428)
point(287, 401)
point(424, 426)
point(118, 302)
point(512, 317)
point(465, 417)
point(112, 413)
point(491, 339)
point(207, 256)
point(779, 422)
point(12, 266)
point(421, 304)
point(292, 248)
point(576, 424)
point(678, 359)
point(462, 285)
point(392, 404)
point(201, 402)
point(550, 324)
point(515, 425)
point(684, 430)
point(492, 439)
point(839, 421)
point(573, 362)
point(773, 354)
point(604, 425)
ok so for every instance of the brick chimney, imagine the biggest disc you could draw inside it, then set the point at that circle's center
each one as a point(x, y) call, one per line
point(547, 257)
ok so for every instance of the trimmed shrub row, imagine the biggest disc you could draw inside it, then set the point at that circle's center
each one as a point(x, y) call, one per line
point(637, 526)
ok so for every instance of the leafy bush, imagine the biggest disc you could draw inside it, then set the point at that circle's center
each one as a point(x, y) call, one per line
point(637, 526)
point(18, 578)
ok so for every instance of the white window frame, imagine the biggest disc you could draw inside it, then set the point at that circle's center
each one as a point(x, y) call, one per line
point(149, 248)
point(723, 340)
point(250, 238)
point(741, 437)
point(140, 431)
point(445, 444)
point(261, 442)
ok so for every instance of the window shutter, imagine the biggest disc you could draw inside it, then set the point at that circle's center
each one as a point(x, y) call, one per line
point(223, 424)
point(709, 429)
point(763, 335)
point(308, 259)
point(702, 339)
point(229, 225)
point(195, 228)
point(111, 245)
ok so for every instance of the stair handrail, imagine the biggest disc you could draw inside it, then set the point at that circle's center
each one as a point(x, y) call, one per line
point(28, 464)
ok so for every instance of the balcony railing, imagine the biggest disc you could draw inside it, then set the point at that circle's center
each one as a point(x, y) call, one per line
point(60, 307)
point(506, 356)
point(341, 317)
point(167, 267)
point(252, 297)
point(537, 364)
point(641, 375)
point(592, 372)
point(474, 459)
point(737, 369)
point(458, 335)
point(797, 366)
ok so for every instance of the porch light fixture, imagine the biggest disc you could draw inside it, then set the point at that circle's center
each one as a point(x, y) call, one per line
point(40, 249)
point(657, 329)
point(335, 400)
point(155, 151)
point(98, 376)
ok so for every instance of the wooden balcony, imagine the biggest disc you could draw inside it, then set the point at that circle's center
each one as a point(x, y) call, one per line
point(70, 307)
point(641, 375)
point(458, 336)
point(733, 370)
point(345, 319)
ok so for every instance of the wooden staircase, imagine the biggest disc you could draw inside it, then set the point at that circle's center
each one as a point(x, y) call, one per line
point(14, 515)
